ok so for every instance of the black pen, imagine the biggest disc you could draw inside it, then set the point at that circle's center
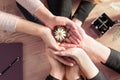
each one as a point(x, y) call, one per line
point(11, 64)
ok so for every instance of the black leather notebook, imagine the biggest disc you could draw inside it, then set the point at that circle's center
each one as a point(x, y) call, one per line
point(11, 67)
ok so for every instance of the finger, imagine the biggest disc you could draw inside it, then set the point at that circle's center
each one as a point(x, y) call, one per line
point(67, 40)
point(60, 59)
point(67, 45)
point(74, 38)
point(71, 25)
point(80, 45)
point(53, 51)
point(57, 48)
point(58, 43)
point(69, 59)
point(74, 29)
point(76, 33)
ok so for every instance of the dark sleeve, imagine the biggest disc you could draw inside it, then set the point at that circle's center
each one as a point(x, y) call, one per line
point(83, 10)
point(60, 7)
point(66, 8)
point(51, 78)
point(99, 76)
point(28, 15)
point(54, 6)
point(113, 61)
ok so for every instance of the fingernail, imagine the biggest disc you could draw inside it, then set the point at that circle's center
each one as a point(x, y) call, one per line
point(78, 45)
point(62, 48)
point(55, 53)
point(75, 45)
point(71, 64)
point(61, 52)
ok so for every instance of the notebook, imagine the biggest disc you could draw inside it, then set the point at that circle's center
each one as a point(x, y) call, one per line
point(11, 67)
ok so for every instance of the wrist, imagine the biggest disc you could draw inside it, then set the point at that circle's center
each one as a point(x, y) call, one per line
point(57, 74)
point(77, 21)
point(50, 77)
point(50, 21)
point(93, 47)
point(44, 15)
point(73, 77)
point(57, 71)
point(28, 27)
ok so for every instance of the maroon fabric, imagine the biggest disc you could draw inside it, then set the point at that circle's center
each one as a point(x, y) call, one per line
point(9, 52)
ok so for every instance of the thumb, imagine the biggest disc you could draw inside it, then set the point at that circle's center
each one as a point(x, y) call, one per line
point(58, 48)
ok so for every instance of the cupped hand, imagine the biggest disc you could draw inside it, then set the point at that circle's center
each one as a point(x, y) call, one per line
point(58, 20)
point(49, 40)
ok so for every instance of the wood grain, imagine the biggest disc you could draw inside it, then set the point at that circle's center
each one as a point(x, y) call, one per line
point(36, 65)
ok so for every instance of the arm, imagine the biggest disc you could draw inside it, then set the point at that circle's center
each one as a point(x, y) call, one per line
point(42, 13)
point(74, 73)
point(92, 47)
point(57, 71)
point(113, 61)
point(66, 8)
point(50, 20)
point(39, 31)
point(83, 10)
point(8, 21)
point(84, 62)
point(13, 23)
point(107, 56)
point(36, 8)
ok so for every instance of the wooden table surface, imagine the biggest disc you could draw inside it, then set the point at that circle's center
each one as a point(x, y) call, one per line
point(110, 38)
point(36, 65)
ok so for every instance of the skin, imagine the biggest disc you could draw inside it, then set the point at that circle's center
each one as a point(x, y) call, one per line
point(92, 47)
point(57, 68)
point(82, 60)
point(87, 46)
point(51, 21)
point(72, 73)
point(34, 29)
point(76, 32)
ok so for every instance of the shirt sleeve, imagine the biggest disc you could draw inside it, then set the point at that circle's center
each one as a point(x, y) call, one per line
point(113, 61)
point(8, 22)
point(99, 76)
point(30, 5)
point(51, 78)
point(83, 10)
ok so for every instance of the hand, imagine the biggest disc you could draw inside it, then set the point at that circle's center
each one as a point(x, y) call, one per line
point(69, 55)
point(48, 38)
point(57, 20)
point(57, 69)
point(39, 31)
point(82, 59)
point(51, 21)
point(82, 33)
point(77, 21)
point(73, 53)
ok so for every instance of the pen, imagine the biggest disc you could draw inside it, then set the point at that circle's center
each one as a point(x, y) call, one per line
point(11, 64)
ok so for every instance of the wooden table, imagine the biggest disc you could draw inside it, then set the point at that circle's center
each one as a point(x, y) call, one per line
point(110, 38)
point(36, 66)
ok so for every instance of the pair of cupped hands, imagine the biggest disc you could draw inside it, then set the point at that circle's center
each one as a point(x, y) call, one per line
point(63, 57)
